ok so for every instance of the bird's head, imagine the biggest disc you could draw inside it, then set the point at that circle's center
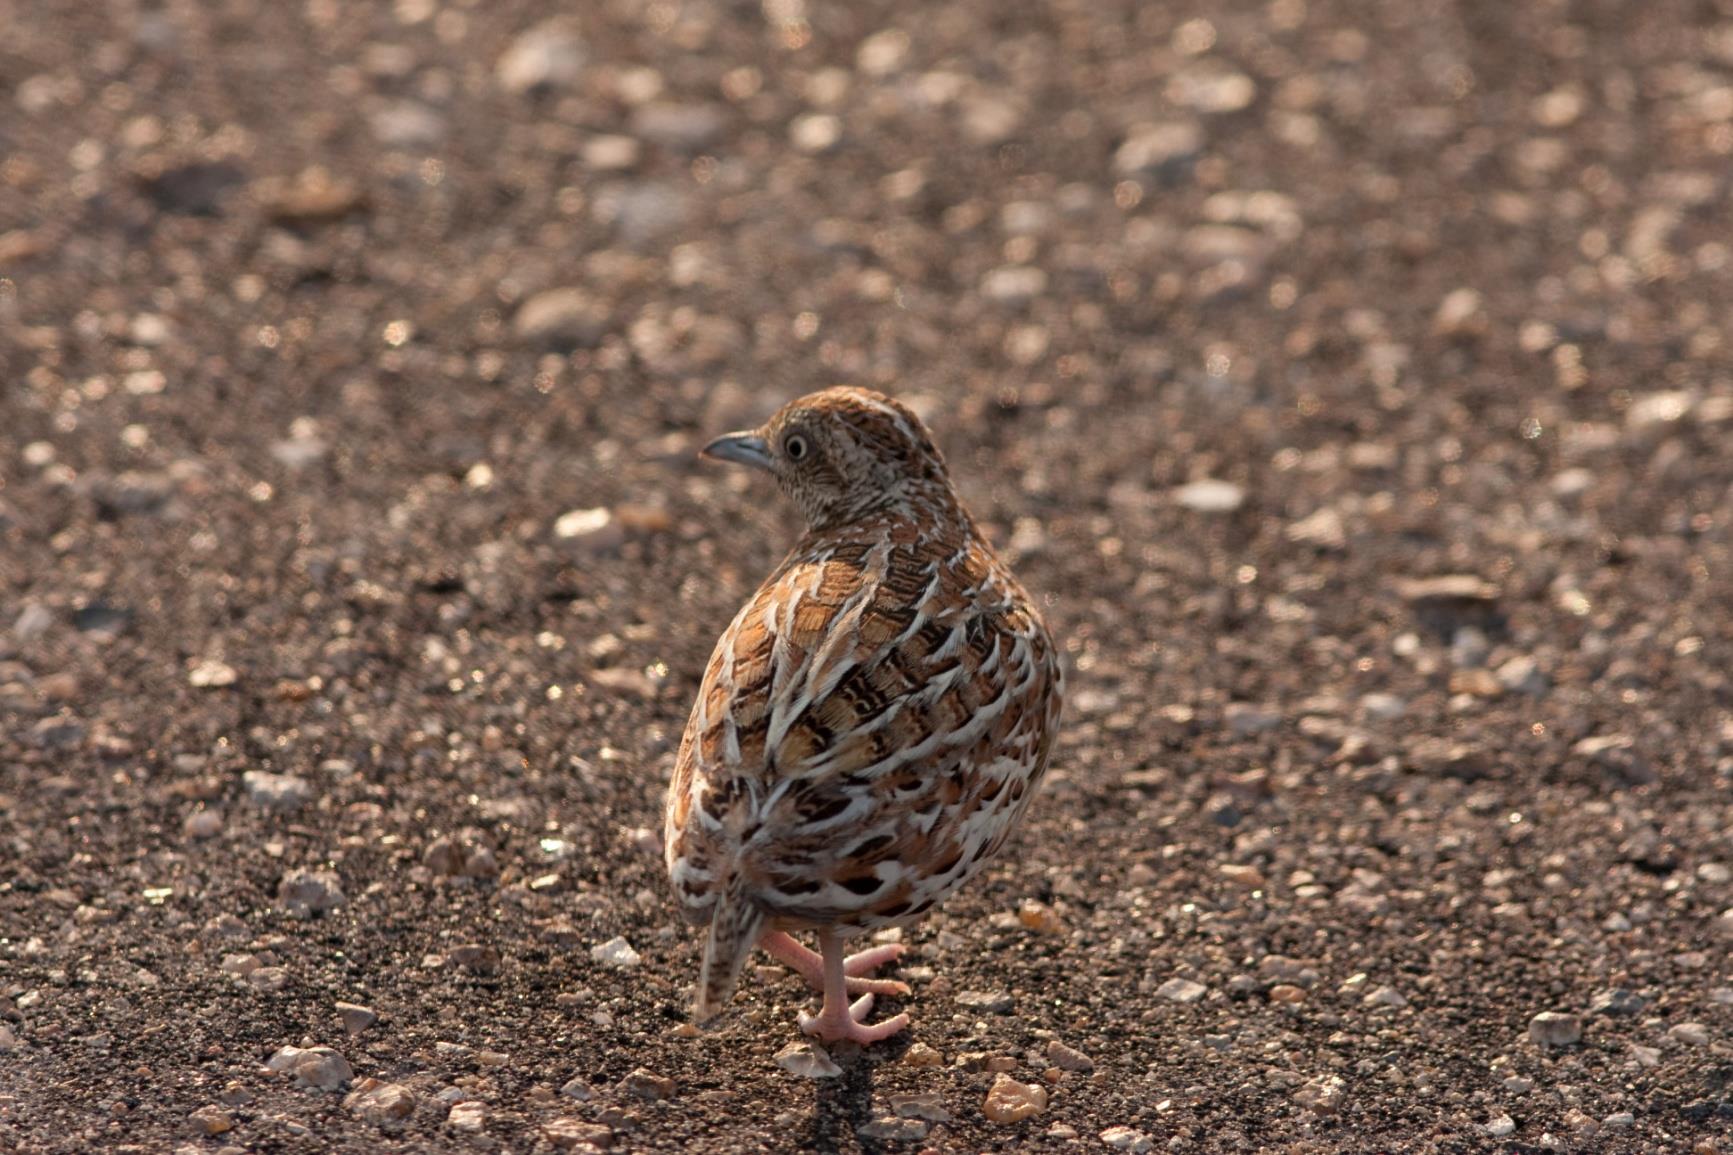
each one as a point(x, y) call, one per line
point(843, 453)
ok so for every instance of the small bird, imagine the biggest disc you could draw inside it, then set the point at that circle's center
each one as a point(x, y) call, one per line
point(872, 724)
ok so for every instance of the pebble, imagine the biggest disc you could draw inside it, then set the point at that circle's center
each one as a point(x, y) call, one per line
point(1212, 88)
point(1014, 284)
point(808, 1060)
point(406, 124)
point(578, 1089)
point(1181, 990)
point(569, 1134)
point(1386, 997)
point(1039, 917)
point(203, 824)
point(279, 792)
point(318, 1067)
point(1126, 1139)
point(379, 1102)
point(683, 127)
point(1555, 1029)
point(593, 529)
point(922, 1055)
point(815, 132)
point(1499, 1126)
point(304, 893)
point(33, 622)
point(560, 320)
point(1249, 877)
point(1287, 993)
point(212, 675)
point(1323, 1095)
point(1618, 1001)
point(892, 1128)
point(920, 1105)
point(211, 1120)
point(1067, 1058)
point(1620, 1119)
point(355, 1017)
point(1724, 923)
point(611, 153)
point(988, 1002)
point(549, 55)
point(8, 1040)
point(478, 958)
point(1009, 1101)
point(1161, 149)
point(468, 1115)
point(1521, 675)
point(647, 1084)
point(616, 953)
point(1693, 1034)
point(1245, 719)
point(1210, 496)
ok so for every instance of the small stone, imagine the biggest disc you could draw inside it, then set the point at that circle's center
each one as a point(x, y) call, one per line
point(815, 132)
point(379, 1102)
point(1127, 1139)
point(1245, 719)
point(808, 1060)
point(1386, 997)
point(469, 1115)
point(1212, 88)
point(1555, 1029)
point(1181, 990)
point(920, 1105)
point(1014, 284)
point(1287, 993)
point(304, 893)
point(1620, 1119)
point(1691, 1034)
point(1517, 1085)
point(1462, 313)
point(1210, 496)
point(573, 1134)
point(1039, 917)
point(611, 153)
point(211, 1120)
point(892, 1128)
point(1617, 1002)
point(1163, 149)
point(1323, 528)
point(476, 957)
point(646, 1084)
point(318, 1067)
point(593, 529)
point(987, 1002)
point(1009, 1101)
point(1067, 1058)
point(277, 792)
point(355, 1017)
point(1248, 877)
point(406, 124)
point(578, 1089)
point(560, 320)
point(1499, 1126)
point(1322, 1096)
point(549, 55)
point(684, 127)
point(616, 953)
point(1521, 675)
point(33, 622)
point(203, 824)
point(922, 1055)
point(1582, 1123)
point(1723, 924)
point(269, 979)
point(212, 675)
point(8, 1040)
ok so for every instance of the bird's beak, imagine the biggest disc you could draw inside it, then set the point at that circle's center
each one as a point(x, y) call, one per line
point(741, 448)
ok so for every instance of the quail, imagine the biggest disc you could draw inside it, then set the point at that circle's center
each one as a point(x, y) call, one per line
point(871, 725)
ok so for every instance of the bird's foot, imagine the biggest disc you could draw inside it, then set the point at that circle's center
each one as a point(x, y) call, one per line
point(837, 1023)
point(810, 966)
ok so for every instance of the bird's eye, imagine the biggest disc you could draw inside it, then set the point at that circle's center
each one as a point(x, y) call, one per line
point(795, 447)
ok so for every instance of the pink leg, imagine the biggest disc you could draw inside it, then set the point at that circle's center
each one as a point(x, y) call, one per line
point(839, 1020)
point(855, 967)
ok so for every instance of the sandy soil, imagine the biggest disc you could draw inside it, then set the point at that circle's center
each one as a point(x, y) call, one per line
point(1353, 378)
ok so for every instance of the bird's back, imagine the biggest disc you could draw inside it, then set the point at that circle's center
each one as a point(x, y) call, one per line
point(868, 731)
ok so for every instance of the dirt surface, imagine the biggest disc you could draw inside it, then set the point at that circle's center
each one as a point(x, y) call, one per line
point(325, 328)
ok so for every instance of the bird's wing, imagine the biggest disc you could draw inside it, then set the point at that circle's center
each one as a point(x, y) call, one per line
point(842, 701)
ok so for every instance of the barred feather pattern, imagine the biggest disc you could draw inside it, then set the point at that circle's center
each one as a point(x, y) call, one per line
point(874, 721)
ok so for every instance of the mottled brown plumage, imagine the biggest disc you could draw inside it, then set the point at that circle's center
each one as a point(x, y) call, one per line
point(873, 722)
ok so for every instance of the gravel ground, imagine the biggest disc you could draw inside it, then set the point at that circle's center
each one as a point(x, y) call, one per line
point(1354, 377)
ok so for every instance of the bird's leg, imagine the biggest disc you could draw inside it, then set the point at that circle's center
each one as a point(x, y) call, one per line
point(810, 966)
point(839, 1020)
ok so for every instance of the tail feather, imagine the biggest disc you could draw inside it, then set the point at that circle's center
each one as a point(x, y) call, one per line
point(734, 930)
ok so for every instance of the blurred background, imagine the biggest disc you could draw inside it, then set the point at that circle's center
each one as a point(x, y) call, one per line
point(1351, 377)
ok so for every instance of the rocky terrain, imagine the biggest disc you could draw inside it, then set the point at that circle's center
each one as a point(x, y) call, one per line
point(1353, 379)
